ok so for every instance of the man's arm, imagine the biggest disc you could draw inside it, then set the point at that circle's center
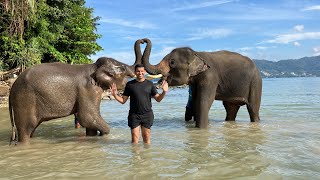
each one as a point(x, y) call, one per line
point(114, 92)
point(120, 99)
point(159, 97)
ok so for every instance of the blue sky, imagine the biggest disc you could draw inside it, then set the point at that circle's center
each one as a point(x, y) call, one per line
point(271, 29)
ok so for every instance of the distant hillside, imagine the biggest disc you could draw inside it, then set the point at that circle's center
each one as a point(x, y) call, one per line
point(304, 67)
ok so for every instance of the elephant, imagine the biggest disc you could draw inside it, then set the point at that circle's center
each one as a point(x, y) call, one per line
point(54, 90)
point(220, 75)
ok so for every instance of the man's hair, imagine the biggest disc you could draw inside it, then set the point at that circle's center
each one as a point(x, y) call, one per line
point(138, 66)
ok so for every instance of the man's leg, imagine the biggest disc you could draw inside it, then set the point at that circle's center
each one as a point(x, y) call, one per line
point(188, 114)
point(135, 133)
point(145, 135)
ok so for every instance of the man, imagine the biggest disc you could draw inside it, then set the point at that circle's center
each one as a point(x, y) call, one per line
point(140, 91)
point(189, 111)
point(76, 121)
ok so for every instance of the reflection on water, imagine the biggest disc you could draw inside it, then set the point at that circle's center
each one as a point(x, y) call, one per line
point(284, 145)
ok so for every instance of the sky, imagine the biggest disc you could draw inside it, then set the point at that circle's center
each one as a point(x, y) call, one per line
point(266, 30)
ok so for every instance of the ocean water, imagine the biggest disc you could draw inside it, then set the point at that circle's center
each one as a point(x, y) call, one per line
point(284, 145)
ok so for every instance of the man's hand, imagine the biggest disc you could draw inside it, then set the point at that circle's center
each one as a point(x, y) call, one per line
point(159, 97)
point(113, 89)
point(164, 86)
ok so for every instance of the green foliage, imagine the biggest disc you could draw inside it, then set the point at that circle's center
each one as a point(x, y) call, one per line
point(53, 31)
point(78, 39)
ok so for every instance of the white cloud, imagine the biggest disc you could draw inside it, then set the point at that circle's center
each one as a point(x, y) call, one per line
point(287, 38)
point(156, 57)
point(246, 53)
point(245, 49)
point(238, 11)
point(317, 7)
point(122, 22)
point(253, 48)
point(160, 40)
point(316, 51)
point(201, 5)
point(299, 28)
point(209, 33)
point(262, 47)
point(296, 44)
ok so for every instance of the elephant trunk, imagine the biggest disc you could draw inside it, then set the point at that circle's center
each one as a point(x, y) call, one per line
point(151, 69)
point(137, 51)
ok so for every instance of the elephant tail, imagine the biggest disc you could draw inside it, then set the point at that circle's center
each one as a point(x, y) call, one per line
point(14, 135)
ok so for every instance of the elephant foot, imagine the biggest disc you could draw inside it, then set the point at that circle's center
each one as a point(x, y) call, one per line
point(255, 120)
point(104, 133)
point(91, 132)
point(14, 141)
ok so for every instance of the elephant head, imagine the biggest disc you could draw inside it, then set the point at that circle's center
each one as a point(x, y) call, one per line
point(177, 67)
point(111, 71)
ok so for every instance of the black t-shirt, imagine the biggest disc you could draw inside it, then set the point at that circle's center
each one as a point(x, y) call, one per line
point(140, 95)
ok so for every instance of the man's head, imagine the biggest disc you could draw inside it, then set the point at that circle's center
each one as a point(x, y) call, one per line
point(139, 71)
point(138, 66)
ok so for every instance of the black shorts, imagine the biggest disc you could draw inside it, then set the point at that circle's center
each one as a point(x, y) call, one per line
point(145, 120)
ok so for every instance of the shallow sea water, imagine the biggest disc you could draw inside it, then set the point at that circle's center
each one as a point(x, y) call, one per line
point(284, 145)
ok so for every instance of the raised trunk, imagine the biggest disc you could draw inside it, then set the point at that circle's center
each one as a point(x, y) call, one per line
point(137, 51)
point(151, 69)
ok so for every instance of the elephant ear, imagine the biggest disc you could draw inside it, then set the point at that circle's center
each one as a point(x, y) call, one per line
point(101, 77)
point(107, 72)
point(197, 66)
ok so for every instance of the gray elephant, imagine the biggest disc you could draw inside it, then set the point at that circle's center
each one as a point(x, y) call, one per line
point(54, 90)
point(222, 75)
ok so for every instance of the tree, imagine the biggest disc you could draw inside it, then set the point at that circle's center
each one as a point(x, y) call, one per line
point(14, 17)
point(15, 13)
point(70, 34)
point(53, 31)
point(78, 39)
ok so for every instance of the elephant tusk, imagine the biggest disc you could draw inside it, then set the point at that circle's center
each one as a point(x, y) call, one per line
point(154, 76)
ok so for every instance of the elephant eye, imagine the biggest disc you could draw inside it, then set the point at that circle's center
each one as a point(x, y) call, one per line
point(172, 62)
point(109, 74)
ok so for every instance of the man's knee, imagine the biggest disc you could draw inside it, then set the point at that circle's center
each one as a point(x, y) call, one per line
point(135, 133)
point(145, 132)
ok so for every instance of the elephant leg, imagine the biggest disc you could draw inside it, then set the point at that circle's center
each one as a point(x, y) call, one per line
point(31, 135)
point(232, 110)
point(203, 101)
point(91, 132)
point(89, 111)
point(254, 100)
point(253, 110)
point(93, 122)
point(23, 134)
point(26, 126)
